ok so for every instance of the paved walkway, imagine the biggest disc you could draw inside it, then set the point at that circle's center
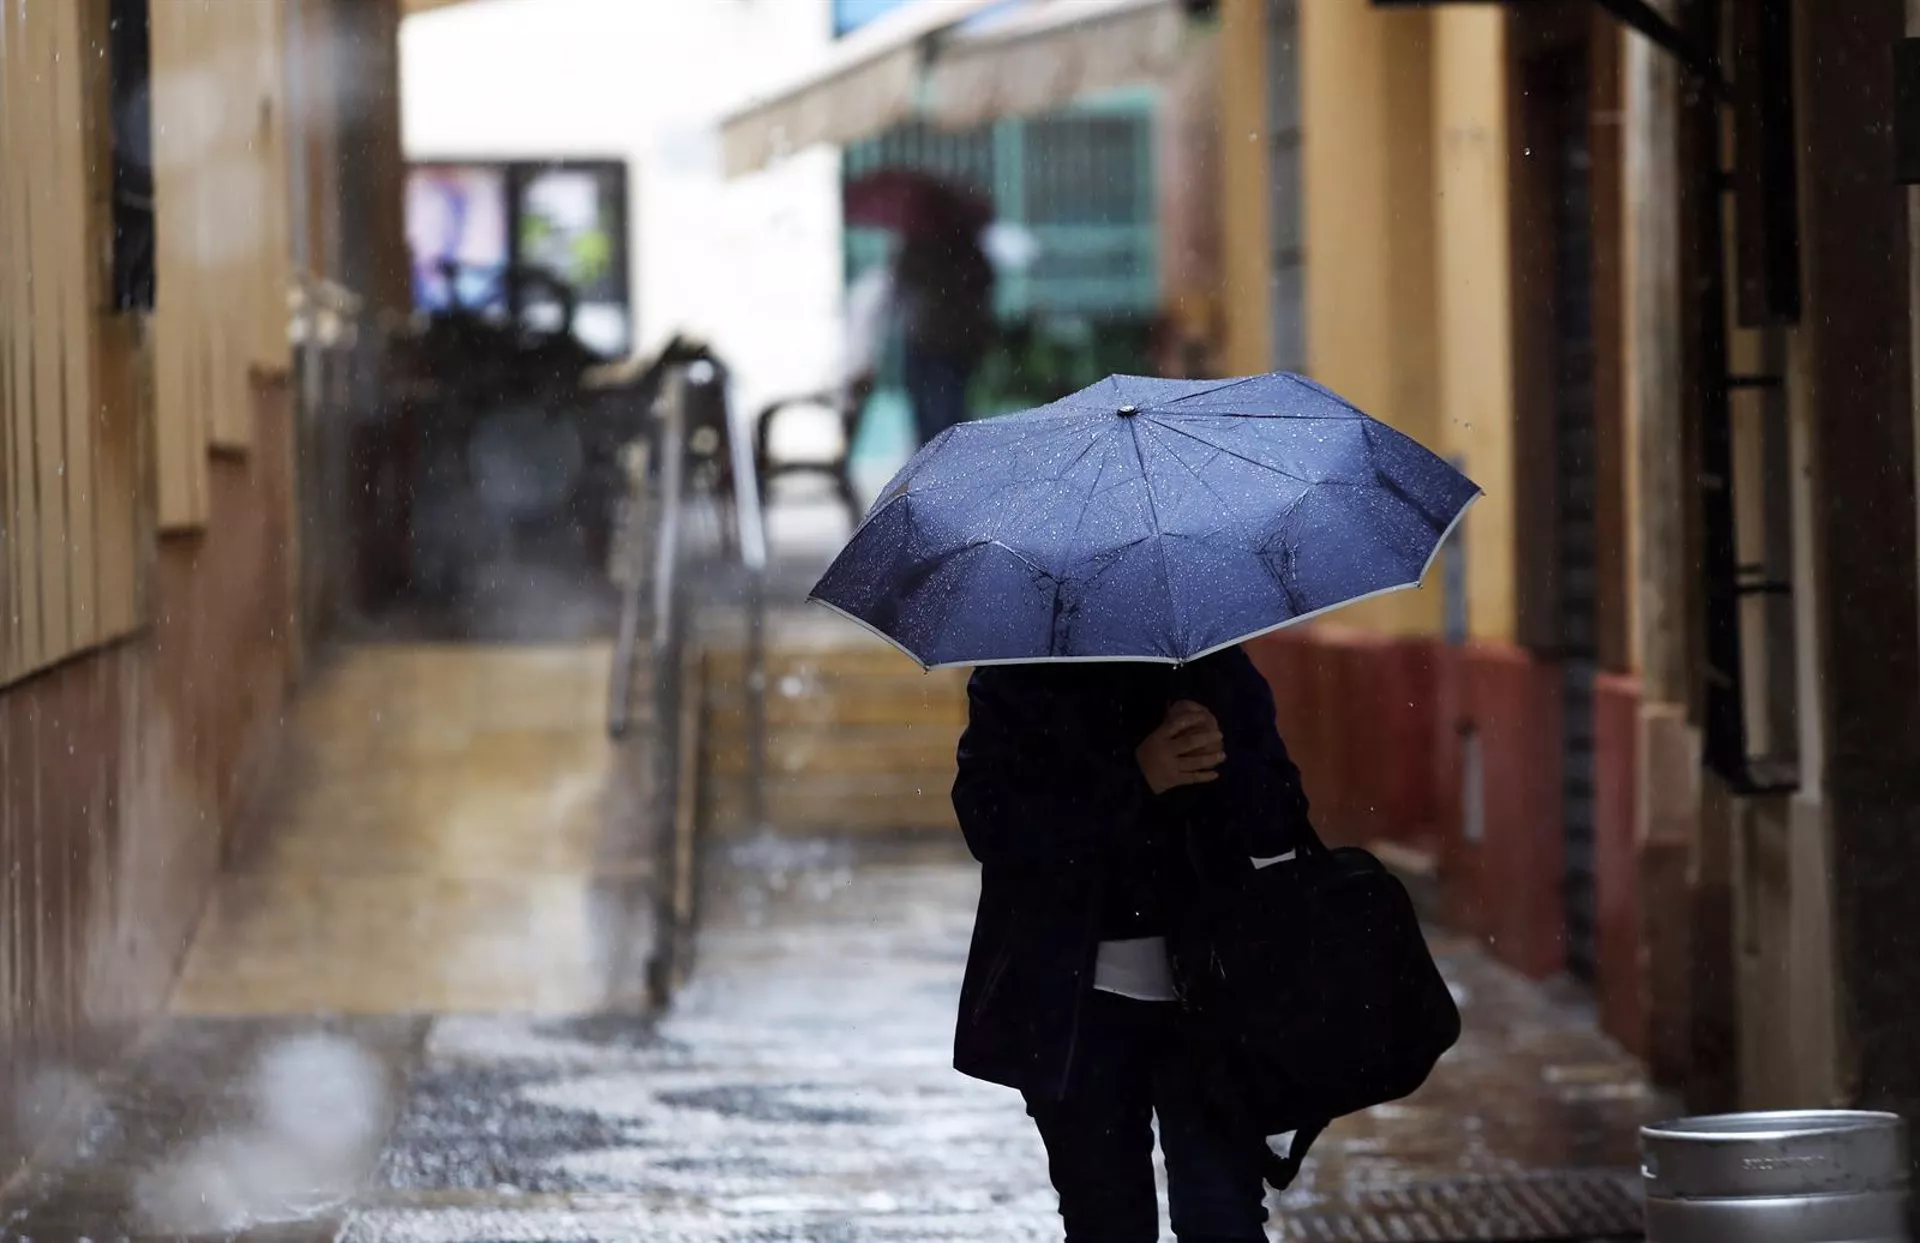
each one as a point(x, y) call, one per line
point(453, 832)
point(800, 1091)
point(408, 1020)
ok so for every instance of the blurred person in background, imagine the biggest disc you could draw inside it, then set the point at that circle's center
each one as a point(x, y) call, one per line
point(943, 294)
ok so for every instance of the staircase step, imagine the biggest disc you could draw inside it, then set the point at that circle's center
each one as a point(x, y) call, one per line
point(836, 802)
point(783, 660)
point(728, 715)
point(858, 738)
point(886, 749)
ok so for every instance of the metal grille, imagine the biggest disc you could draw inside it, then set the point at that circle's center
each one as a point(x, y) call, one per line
point(1532, 1208)
point(1080, 180)
point(965, 157)
point(1088, 170)
point(1575, 530)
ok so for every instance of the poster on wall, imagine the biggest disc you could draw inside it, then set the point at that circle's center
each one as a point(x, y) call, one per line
point(503, 239)
point(571, 222)
point(457, 236)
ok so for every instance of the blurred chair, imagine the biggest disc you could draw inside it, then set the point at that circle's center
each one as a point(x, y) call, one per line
point(841, 407)
point(631, 389)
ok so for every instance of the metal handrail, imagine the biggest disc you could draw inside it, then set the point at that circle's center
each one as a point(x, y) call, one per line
point(672, 880)
point(656, 525)
point(632, 582)
point(753, 554)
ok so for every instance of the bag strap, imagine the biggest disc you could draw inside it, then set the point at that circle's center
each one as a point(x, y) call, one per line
point(1278, 1171)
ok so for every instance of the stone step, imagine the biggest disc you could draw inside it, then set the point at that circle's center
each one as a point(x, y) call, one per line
point(784, 660)
point(883, 749)
point(878, 706)
point(858, 738)
point(835, 686)
point(837, 802)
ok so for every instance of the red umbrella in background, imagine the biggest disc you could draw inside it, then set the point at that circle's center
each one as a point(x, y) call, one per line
point(907, 200)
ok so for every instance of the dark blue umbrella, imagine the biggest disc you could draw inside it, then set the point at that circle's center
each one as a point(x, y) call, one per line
point(1143, 519)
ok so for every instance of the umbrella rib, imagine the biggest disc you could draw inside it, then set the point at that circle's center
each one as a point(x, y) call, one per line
point(1159, 535)
point(1285, 517)
point(1235, 453)
point(1093, 442)
point(961, 477)
point(955, 597)
point(1194, 471)
point(990, 466)
point(1013, 520)
point(1207, 392)
point(1079, 524)
point(1400, 493)
point(1053, 410)
point(1347, 603)
point(1286, 589)
point(1300, 381)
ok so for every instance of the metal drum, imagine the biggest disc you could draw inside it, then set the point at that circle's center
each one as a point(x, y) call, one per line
point(1803, 1176)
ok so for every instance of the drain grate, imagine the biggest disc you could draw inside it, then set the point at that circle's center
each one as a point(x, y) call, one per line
point(1529, 1208)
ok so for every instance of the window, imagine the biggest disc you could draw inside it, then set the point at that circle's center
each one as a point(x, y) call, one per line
point(1079, 181)
point(130, 75)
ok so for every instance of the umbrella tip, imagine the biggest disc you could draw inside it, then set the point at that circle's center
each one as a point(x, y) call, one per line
point(1127, 412)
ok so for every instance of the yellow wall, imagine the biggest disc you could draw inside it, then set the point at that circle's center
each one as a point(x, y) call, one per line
point(75, 512)
point(222, 250)
point(69, 446)
point(1367, 175)
point(1246, 345)
point(1475, 413)
point(1406, 239)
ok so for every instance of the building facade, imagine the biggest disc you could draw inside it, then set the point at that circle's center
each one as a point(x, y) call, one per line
point(1655, 725)
point(156, 386)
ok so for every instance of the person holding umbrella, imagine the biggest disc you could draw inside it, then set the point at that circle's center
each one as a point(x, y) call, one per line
point(1087, 792)
point(1100, 560)
point(941, 285)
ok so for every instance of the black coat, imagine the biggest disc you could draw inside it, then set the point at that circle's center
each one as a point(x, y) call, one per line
point(1050, 798)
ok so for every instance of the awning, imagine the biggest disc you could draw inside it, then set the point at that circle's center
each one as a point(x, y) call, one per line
point(927, 59)
point(868, 81)
point(1052, 54)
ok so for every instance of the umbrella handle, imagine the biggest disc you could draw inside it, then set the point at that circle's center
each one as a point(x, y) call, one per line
point(1179, 684)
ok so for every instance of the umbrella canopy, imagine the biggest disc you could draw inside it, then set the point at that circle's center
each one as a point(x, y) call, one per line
point(906, 200)
point(1143, 519)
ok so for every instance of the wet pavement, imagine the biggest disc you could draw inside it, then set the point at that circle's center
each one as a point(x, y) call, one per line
point(414, 1015)
point(798, 1090)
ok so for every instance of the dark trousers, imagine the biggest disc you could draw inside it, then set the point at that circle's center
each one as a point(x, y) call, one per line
point(1128, 1071)
point(936, 389)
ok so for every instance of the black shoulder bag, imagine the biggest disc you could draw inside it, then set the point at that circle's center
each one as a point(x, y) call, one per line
point(1309, 994)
